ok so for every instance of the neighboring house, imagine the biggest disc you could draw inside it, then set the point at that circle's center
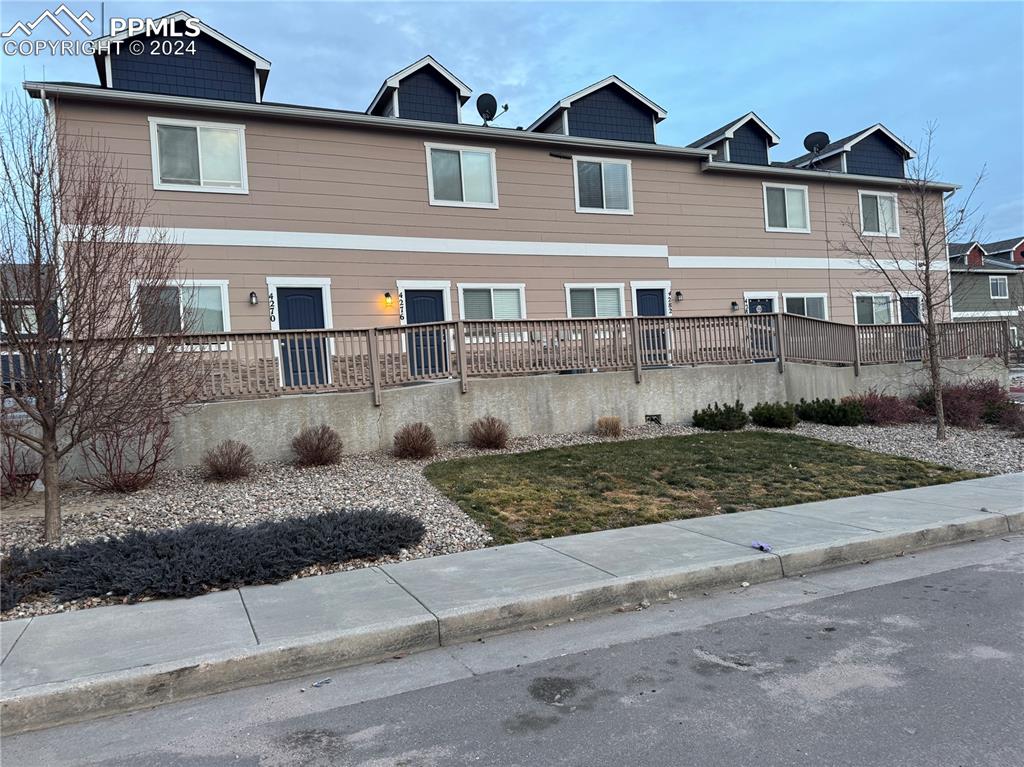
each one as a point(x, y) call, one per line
point(304, 217)
point(988, 283)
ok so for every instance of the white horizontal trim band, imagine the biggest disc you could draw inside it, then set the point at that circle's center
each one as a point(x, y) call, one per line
point(265, 239)
point(769, 262)
point(986, 313)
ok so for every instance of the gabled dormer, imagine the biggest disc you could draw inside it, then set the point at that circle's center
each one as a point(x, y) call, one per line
point(876, 151)
point(746, 140)
point(610, 109)
point(424, 90)
point(970, 254)
point(211, 65)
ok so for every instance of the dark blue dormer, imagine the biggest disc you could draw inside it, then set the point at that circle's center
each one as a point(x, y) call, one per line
point(424, 90)
point(611, 113)
point(194, 61)
point(214, 71)
point(749, 145)
point(427, 95)
point(876, 155)
point(610, 109)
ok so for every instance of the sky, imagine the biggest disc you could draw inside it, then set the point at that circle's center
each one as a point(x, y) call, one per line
point(837, 67)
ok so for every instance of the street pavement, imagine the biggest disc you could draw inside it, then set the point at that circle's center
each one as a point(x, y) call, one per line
point(916, 660)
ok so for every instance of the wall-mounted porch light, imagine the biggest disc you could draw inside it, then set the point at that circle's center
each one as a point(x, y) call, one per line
point(679, 296)
point(735, 306)
point(253, 298)
point(388, 300)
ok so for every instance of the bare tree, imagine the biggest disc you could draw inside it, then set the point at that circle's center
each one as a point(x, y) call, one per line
point(72, 259)
point(917, 262)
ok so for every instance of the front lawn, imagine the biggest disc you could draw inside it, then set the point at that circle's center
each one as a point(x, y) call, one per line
point(583, 488)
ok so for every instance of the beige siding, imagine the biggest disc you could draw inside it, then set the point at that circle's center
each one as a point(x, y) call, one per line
point(328, 179)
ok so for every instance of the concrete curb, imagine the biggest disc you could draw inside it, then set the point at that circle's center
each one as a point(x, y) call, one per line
point(105, 694)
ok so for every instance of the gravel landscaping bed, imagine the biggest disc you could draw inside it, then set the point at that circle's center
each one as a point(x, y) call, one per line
point(380, 481)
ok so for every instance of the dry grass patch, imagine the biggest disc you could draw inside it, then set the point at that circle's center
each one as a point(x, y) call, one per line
point(600, 486)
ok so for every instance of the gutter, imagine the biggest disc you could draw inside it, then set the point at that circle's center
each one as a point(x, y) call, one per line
point(819, 175)
point(354, 119)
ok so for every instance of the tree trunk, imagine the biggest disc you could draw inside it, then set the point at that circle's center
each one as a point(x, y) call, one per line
point(51, 490)
point(935, 373)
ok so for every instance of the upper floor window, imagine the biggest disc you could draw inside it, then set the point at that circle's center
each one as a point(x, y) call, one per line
point(461, 176)
point(198, 156)
point(807, 305)
point(195, 306)
point(785, 208)
point(588, 301)
point(873, 308)
point(603, 186)
point(879, 214)
point(998, 287)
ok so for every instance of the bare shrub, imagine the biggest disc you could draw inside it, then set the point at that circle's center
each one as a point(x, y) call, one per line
point(415, 440)
point(317, 446)
point(608, 426)
point(124, 460)
point(885, 409)
point(230, 459)
point(488, 433)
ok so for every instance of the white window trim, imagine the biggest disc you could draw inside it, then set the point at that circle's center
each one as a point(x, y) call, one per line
point(602, 160)
point(1006, 285)
point(752, 294)
point(182, 285)
point(807, 207)
point(445, 286)
point(823, 296)
point(893, 306)
point(665, 285)
point(520, 286)
point(895, 209)
point(460, 148)
point(154, 147)
point(569, 286)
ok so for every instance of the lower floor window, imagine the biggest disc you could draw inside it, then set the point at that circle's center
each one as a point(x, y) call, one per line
point(807, 306)
point(492, 302)
point(595, 301)
point(874, 309)
point(189, 306)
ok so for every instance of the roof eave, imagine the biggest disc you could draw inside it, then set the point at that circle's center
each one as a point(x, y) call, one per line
point(818, 175)
point(355, 119)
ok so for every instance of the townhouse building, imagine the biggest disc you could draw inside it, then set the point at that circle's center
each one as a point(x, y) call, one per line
point(988, 283)
point(406, 212)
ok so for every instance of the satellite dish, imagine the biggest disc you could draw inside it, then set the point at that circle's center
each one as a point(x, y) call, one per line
point(816, 141)
point(487, 106)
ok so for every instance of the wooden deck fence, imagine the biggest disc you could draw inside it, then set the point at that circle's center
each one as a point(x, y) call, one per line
point(246, 365)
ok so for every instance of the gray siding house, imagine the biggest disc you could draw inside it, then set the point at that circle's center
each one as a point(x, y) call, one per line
point(988, 283)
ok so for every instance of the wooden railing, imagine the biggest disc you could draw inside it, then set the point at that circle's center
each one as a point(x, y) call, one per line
point(245, 365)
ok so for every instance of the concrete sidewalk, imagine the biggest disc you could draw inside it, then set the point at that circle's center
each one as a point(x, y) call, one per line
point(67, 667)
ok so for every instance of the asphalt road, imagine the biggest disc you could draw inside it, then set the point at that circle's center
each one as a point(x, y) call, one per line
point(913, 661)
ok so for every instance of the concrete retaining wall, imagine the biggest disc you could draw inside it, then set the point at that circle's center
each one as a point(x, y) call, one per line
point(547, 404)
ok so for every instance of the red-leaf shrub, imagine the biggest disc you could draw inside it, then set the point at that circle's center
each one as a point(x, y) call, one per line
point(969, 403)
point(124, 460)
point(415, 440)
point(317, 446)
point(885, 409)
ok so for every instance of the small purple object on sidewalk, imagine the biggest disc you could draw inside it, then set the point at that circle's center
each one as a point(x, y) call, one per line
point(761, 546)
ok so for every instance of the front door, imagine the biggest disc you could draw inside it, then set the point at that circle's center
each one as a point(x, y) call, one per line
point(304, 360)
point(650, 302)
point(428, 348)
point(762, 332)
